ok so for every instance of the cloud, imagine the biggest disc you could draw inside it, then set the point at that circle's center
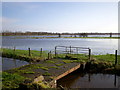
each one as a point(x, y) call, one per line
point(6, 20)
point(7, 23)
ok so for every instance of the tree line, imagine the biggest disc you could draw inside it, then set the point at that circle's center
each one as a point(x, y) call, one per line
point(8, 33)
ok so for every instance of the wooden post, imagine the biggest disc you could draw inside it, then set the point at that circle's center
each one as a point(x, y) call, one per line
point(115, 57)
point(41, 52)
point(48, 56)
point(29, 51)
point(89, 54)
point(14, 50)
point(55, 51)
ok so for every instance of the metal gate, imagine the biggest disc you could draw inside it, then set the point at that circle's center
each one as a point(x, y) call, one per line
point(72, 50)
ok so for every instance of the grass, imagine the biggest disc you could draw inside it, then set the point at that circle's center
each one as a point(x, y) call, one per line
point(24, 54)
point(44, 68)
point(59, 64)
point(106, 58)
point(84, 58)
point(54, 67)
point(10, 81)
point(43, 85)
point(46, 74)
point(50, 61)
point(73, 56)
point(29, 72)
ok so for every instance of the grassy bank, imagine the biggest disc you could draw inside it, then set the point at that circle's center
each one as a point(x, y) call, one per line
point(82, 57)
point(37, 56)
point(24, 54)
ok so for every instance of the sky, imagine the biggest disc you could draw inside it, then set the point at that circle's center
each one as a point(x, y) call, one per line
point(72, 17)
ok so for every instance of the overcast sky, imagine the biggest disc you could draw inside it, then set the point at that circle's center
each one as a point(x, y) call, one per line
point(60, 16)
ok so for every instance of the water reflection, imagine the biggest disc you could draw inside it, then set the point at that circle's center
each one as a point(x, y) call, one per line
point(9, 63)
point(89, 81)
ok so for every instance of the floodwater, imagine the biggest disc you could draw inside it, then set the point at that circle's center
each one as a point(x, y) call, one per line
point(98, 46)
point(90, 81)
point(9, 63)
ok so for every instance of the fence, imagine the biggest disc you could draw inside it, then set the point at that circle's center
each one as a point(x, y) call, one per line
point(66, 50)
point(45, 55)
point(72, 50)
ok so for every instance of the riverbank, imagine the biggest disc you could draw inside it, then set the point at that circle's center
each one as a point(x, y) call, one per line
point(36, 56)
